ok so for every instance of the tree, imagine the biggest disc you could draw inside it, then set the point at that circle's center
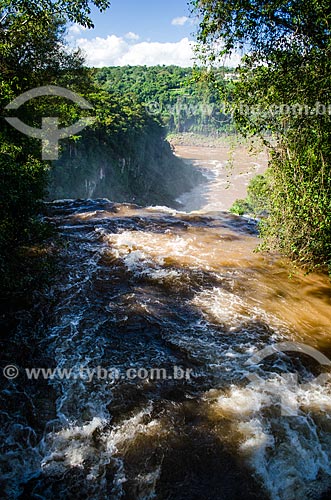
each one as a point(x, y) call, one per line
point(32, 54)
point(77, 11)
point(283, 95)
point(182, 104)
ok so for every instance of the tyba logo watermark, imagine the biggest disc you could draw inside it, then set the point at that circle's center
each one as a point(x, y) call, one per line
point(50, 133)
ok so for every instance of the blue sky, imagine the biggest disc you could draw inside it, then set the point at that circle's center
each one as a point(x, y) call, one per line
point(150, 19)
point(139, 32)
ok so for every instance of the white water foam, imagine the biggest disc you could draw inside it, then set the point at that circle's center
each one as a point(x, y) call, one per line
point(291, 455)
point(75, 446)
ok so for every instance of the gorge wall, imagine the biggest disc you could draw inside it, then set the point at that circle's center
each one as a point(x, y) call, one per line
point(137, 167)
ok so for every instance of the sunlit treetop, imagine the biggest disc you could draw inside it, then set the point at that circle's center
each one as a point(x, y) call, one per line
point(264, 25)
point(77, 11)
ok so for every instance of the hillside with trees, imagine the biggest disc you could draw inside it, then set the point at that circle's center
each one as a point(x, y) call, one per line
point(182, 99)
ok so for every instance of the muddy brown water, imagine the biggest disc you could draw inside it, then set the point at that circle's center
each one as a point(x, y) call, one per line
point(156, 287)
point(229, 170)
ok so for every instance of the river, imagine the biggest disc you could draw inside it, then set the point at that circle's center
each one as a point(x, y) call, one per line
point(183, 291)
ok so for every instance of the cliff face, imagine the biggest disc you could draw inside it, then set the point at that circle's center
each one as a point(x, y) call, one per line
point(137, 167)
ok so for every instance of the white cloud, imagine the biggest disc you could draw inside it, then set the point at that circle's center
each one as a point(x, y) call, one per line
point(121, 51)
point(75, 30)
point(153, 53)
point(116, 51)
point(179, 21)
point(132, 36)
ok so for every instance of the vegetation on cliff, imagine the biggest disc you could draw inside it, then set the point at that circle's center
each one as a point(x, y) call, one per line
point(282, 95)
point(123, 156)
point(32, 55)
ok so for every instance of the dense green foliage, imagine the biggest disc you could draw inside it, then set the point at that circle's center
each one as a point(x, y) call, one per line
point(30, 57)
point(73, 10)
point(256, 203)
point(283, 95)
point(174, 95)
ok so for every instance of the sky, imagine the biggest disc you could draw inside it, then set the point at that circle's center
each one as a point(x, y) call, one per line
point(139, 32)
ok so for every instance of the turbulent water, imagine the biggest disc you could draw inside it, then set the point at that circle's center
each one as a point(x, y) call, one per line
point(146, 288)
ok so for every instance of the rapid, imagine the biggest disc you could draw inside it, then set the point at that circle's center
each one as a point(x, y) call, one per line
point(155, 287)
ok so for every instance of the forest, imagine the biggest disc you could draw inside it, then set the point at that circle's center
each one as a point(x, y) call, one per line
point(183, 99)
